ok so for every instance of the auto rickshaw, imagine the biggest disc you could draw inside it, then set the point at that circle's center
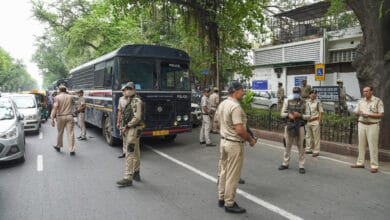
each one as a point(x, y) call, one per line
point(41, 98)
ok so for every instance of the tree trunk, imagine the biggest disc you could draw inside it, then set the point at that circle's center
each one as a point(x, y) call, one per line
point(373, 55)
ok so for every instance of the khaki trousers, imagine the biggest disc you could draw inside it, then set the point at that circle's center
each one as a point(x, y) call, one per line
point(81, 123)
point(368, 135)
point(67, 122)
point(231, 163)
point(313, 132)
point(299, 142)
point(132, 155)
point(205, 129)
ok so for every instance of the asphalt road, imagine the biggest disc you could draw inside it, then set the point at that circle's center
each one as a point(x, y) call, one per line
point(179, 182)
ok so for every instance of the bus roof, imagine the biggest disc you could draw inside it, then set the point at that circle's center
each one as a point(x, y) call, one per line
point(139, 50)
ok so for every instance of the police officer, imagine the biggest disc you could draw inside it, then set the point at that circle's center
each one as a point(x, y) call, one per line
point(343, 98)
point(62, 111)
point(370, 111)
point(294, 111)
point(305, 89)
point(132, 118)
point(313, 132)
point(123, 101)
point(81, 115)
point(280, 96)
point(204, 136)
point(214, 101)
point(232, 123)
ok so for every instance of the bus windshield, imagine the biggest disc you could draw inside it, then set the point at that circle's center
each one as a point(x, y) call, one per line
point(141, 72)
point(174, 77)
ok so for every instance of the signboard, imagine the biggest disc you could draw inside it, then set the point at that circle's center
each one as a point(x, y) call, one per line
point(319, 74)
point(260, 84)
point(204, 72)
point(327, 93)
point(298, 80)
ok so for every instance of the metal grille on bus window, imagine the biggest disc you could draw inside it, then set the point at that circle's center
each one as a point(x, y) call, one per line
point(152, 111)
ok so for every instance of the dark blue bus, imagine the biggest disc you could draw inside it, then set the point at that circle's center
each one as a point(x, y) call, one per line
point(162, 80)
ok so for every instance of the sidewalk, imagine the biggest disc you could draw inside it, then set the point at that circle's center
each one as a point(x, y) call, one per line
point(332, 147)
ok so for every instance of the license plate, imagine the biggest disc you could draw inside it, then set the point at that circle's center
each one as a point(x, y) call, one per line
point(160, 133)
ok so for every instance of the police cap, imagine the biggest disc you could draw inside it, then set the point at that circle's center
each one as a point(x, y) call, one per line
point(296, 90)
point(234, 86)
point(128, 85)
point(313, 91)
point(215, 89)
point(339, 81)
point(80, 91)
point(62, 86)
point(206, 90)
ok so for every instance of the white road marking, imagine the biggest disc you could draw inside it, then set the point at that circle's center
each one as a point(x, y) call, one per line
point(40, 135)
point(40, 163)
point(250, 197)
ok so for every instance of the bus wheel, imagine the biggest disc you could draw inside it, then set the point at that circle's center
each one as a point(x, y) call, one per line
point(170, 138)
point(107, 131)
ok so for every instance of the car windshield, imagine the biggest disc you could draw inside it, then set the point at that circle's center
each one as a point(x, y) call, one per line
point(6, 112)
point(24, 101)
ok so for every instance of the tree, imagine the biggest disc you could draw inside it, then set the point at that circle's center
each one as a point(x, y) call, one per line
point(373, 54)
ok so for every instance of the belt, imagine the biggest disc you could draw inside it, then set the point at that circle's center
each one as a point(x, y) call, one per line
point(64, 115)
point(368, 123)
point(82, 112)
point(232, 140)
point(313, 119)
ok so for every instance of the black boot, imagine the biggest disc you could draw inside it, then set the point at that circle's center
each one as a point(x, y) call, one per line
point(136, 176)
point(235, 209)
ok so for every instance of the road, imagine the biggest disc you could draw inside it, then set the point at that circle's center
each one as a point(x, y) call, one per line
point(179, 182)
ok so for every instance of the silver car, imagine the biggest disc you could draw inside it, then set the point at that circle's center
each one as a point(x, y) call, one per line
point(27, 105)
point(12, 139)
point(265, 100)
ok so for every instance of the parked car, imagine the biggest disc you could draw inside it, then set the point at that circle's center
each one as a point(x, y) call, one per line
point(196, 114)
point(27, 105)
point(265, 100)
point(330, 107)
point(12, 139)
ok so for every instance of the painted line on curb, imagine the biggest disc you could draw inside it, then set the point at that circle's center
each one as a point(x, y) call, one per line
point(40, 135)
point(248, 196)
point(39, 163)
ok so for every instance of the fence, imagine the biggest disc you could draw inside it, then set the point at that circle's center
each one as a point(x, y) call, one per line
point(331, 130)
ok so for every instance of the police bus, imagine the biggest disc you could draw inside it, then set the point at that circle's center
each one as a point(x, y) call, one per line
point(162, 80)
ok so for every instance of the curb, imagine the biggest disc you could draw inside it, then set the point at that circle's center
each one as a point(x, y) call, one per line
point(328, 146)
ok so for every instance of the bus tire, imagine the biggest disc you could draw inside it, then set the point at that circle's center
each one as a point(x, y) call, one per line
point(108, 131)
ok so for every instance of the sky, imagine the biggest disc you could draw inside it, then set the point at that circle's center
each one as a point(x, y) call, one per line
point(18, 29)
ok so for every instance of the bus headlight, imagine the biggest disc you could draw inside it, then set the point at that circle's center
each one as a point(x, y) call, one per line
point(185, 117)
point(178, 118)
point(175, 123)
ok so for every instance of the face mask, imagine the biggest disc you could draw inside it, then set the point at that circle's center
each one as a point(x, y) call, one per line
point(296, 96)
point(130, 92)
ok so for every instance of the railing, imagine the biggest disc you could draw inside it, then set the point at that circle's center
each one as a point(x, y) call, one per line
point(331, 130)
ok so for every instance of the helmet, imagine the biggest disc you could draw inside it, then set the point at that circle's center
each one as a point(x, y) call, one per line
point(234, 86)
point(296, 90)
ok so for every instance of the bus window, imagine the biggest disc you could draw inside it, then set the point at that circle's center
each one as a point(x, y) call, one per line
point(174, 77)
point(138, 71)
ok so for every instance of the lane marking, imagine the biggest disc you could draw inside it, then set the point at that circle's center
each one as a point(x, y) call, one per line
point(248, 196)
point(40, 135)
point(324, 157)
point(39, 163)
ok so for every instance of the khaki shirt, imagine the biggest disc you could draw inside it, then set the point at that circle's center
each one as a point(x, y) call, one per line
point(136, 106)
point(81, 103)
point(230, 113)
point(374, 105)
point(313, 110)
point(64, 103)
point(305, 90)
point(214, 101)
point(343, 95)
point(122, 103)
point(204, 102)
point(280, 94)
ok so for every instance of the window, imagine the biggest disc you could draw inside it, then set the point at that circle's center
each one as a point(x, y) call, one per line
point(174, 77)
point(340, 56)
point(99, 75)
point(141, 72)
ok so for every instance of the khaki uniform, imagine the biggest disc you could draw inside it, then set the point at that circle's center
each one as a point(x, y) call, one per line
point(230, 113)
point(133, 135)
point(123, 101)
point(81, 116)
point(298, 134)
point(214, 101)
point(305, 90)
point(343, 101)
point(280, 98)
point(313, 130)
point(64, 104)
point(206, 121)
point(368, 129)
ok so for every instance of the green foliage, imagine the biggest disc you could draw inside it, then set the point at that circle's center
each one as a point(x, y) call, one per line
point(247, 100)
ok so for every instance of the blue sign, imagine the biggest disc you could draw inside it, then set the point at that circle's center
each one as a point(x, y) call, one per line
point(204, 72)
point(260, 84)
point(298, 80)
point(320, 71)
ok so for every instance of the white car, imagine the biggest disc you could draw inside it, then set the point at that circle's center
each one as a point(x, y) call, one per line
point(265, 100)
point(12, 139)
point(196, 114)
point(27, 105)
